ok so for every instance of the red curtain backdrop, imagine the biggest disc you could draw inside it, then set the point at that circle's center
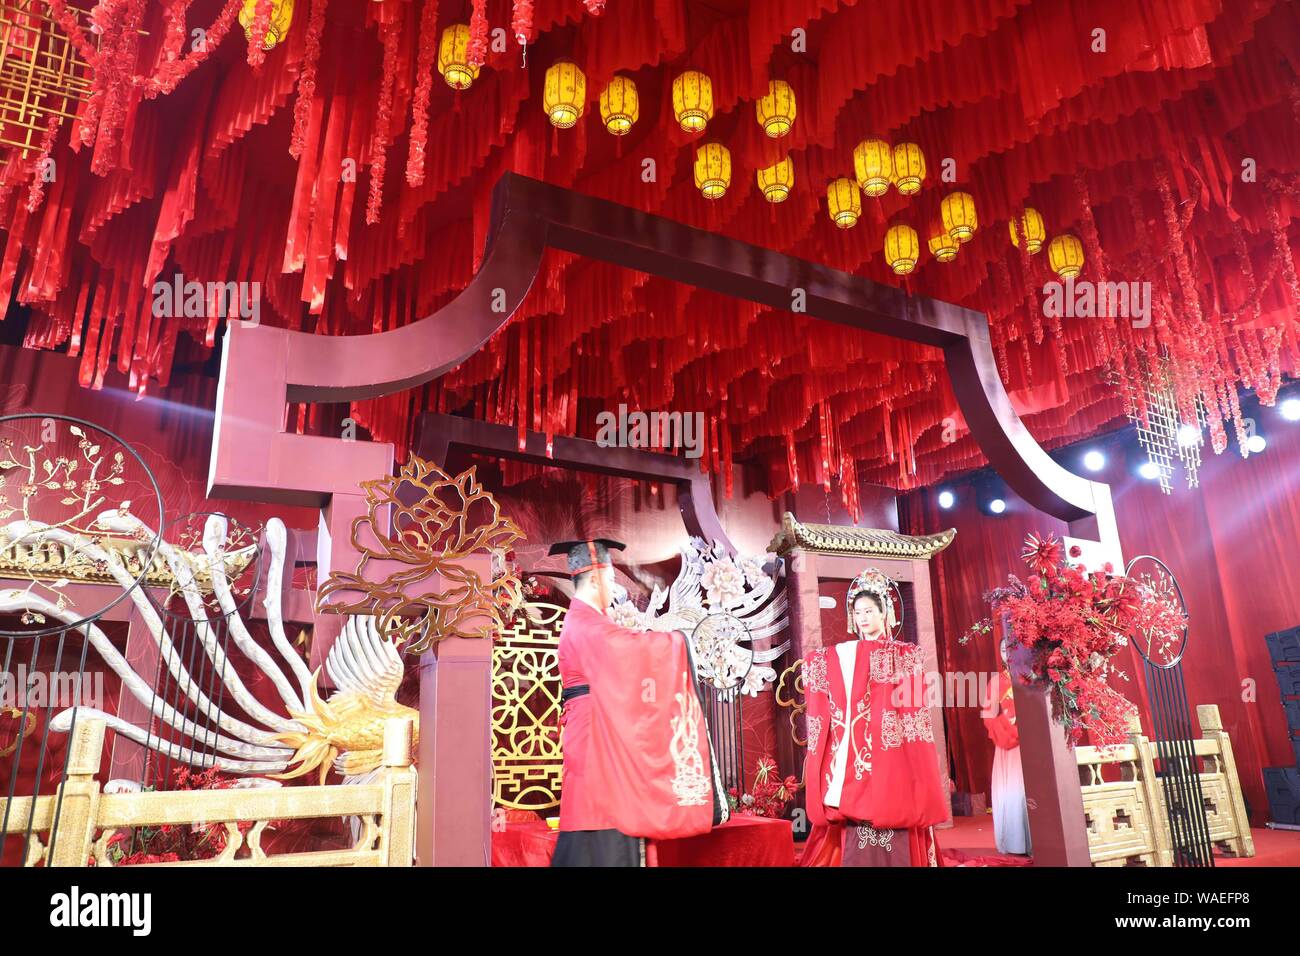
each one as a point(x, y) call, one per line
point(1232, 544)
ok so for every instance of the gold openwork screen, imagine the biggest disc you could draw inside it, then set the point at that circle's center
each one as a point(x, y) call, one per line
point(526, 757)
point(40, 73)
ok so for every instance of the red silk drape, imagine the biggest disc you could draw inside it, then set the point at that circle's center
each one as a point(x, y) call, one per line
point(1232, 545)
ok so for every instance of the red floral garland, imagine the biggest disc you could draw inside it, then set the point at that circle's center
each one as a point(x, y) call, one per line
point(477, 50)
point(383, 120)
point(257, 32)
point(521, 22)
point(423, 91)
point(307, 75)
point(36, 194)
point(594, 7)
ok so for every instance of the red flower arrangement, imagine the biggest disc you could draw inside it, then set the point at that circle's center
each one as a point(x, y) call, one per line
point(769, 795)
point(1074, 622)
point(171, 844)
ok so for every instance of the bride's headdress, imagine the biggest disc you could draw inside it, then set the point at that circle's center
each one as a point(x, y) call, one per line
point(873, 581)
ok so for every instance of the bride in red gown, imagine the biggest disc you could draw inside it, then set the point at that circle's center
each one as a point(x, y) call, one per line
point(871, 771)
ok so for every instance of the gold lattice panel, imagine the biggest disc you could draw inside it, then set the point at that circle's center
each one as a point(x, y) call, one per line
point(526, 756)
point(40, 73)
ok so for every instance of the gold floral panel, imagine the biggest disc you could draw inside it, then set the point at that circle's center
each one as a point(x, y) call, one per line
point(526, 756)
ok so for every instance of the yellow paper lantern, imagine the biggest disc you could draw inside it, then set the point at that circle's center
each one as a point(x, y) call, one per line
point(873, 164)
point(776, 110)
point(775, 182)
point(1065, 256)
point(564, 93)
point(902, 247)
point(619, 106)
point(276, 30)
point(909, 168)
point(942, 246)
point(958, 213)
point(713, 170)
point(844, 202)
point(693, 100)
point(1031, 226)
point(453, 57)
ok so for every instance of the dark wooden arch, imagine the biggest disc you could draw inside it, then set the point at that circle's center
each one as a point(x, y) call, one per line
point(263, 368)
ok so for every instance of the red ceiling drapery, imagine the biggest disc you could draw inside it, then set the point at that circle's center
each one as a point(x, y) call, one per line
point(1010, 90)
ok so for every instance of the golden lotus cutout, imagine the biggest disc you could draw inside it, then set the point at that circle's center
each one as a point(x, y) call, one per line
point(437, 521)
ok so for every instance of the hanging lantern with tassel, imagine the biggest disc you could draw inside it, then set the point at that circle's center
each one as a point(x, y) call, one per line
point(564, 94)
point(453, 57)
point(713, 170)
point(1065, 256)
point(775, 182)
point(619, 106)
point(873, 165)
point(958, 213)
point(844, 202)
point(693, 100)
point(776, 110)
point(1031, 226)
point(277, 28)
point(902, 247)
point(909, 168)
point(942, 246)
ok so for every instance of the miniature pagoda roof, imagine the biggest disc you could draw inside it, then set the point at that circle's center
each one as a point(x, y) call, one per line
point(867, 542)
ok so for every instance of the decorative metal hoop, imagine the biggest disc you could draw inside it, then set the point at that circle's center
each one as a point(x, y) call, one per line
point(242, 602)
point(61, 626)
point(743, 645)
point(1182, 603)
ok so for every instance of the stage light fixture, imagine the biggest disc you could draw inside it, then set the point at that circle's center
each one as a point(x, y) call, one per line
point(997, 506)
point(1188, 435)
point(1094, 460)
point(947, 499)
point(1290, 409)
point(1256, 444)
point(1149, 470)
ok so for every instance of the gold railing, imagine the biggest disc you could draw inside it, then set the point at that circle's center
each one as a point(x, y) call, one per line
point(89, 819)
point(1127, 823)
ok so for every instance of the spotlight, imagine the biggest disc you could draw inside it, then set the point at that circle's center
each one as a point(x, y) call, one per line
point(1149, 470)
point(1256, 444)
point(1094, 461)
point(1290, 409)
point(1189, 435)
point(997, 506)
point(947, 499)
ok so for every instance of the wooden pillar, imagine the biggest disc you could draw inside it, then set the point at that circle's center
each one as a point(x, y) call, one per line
point(1056, 819)
point(80, 806)
point(454, 810)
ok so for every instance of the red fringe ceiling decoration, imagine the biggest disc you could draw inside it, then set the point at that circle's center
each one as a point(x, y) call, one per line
point(1139, 152)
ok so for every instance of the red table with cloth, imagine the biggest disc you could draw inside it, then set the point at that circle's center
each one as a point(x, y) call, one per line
point(741, 841)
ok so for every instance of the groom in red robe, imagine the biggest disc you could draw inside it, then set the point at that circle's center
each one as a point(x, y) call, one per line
point(637, 761)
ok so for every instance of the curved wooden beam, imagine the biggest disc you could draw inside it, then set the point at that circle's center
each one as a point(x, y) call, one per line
point(438, 438)
point(263, 369)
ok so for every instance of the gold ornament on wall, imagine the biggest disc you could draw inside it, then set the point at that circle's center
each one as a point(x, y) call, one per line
point(844, 202)
point(776, 110)
point(958, 213)
point(873, 165)
point(453, 57)
point(451, 519)
point(902, 247)
point(776, 181)
point(909, 168)
point(1065, 256)
point(713, 170)
point(1031, 226)
point(619, 106)
point(278, 27)
point(41, 73)
point(564, 94)
point(693, 100)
